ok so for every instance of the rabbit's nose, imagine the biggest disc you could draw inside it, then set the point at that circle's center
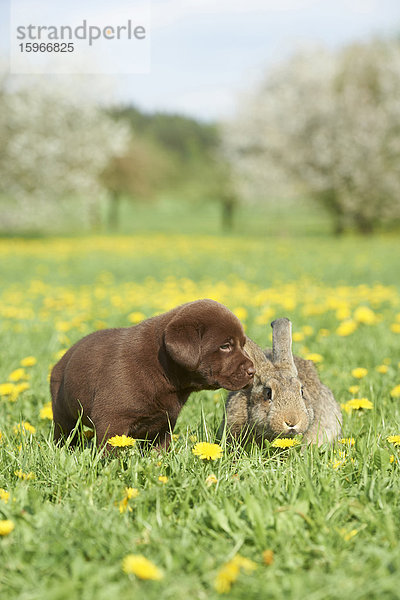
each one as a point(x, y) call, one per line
point(291, 425)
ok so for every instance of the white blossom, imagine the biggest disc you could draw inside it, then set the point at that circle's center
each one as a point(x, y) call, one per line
point(329, 124)
point(54, 143)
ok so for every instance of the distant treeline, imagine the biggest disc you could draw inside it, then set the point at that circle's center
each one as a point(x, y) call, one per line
point(167, 152)
point(188, 139)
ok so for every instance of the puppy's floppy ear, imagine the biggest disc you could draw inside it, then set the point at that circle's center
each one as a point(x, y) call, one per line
point(182, 342)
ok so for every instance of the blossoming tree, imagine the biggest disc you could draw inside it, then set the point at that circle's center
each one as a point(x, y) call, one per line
point(329, 123)
point(55, 142)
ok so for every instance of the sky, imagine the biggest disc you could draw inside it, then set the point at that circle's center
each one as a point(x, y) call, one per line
point(205, 52)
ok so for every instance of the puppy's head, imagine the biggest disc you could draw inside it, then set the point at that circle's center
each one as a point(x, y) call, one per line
point(207, 340)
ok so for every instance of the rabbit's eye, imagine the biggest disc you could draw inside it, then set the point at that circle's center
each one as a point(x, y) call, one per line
point(302, 391)
point(268, 393)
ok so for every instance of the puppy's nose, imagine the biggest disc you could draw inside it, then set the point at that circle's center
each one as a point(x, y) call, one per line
point(251, 371)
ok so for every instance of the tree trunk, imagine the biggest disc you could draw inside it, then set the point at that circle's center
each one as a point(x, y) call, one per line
point(228, 209)
point(113, 213)
point(331, 201)
point(364, 225)
point(94, 216)
point(339, 224)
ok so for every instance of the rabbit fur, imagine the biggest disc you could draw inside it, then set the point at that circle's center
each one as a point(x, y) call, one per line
point(286, 397)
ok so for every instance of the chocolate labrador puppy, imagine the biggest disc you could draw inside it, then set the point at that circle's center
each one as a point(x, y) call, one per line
point(135, 380)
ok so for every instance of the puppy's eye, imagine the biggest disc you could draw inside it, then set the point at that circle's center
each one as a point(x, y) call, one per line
point(268, 393)
point(226, 347)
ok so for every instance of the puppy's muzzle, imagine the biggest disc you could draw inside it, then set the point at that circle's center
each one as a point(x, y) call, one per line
point(251, 372)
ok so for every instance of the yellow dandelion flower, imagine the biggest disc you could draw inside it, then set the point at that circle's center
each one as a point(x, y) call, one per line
point(285, 443)
point(241, 313)
point(343, 313)
point(359, 372)
point(391, 458)
point(7, 389)
point(29, 361)
point(141, 567)
point(298, 336)
point(394, 439)
point(346, 328)
point(226, 576)
point(193, 438)
point(121, 441)
point(18, 374)
point(260, 320)
point(129, 494)
point(336, 464)
point(347, 441)
point(1, 435)
point(23, 427)
point(4, 495)
point(265, 316)
point(348, 535)
point(353, 389)
point(21, 387)
point(63, 339)
point(363, 314)
point(382, 369)
point(123, 505)
point(268, 557)
point(136, 317)
point(211, 480)
point(16, 390)
point(46, 412)
point(307, 330)
point(6, 527)
point(357, 404)
point(24, 476)
point(316, 358)
point(63, 326)
point(395, 327)
point(163, 478)
point(395, 393)
point(245, 563)
point(60, 354)
point(207, 451)
point(230, 571)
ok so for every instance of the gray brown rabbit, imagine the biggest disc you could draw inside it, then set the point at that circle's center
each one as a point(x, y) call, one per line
point(286, 397)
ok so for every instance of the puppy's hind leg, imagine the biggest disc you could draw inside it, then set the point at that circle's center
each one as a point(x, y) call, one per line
point(62, 430)
point(64, 424)
point(109, 427)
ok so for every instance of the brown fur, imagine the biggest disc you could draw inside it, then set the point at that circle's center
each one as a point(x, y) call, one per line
point(300, 403)
point(135, 380)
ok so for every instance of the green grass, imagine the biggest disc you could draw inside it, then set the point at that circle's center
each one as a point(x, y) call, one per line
point(334, 531)
point(202, 215)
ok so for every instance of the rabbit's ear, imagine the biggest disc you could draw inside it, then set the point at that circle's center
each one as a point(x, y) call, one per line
point(282, 345)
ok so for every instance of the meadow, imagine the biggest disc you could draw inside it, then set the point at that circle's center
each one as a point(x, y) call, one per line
point(254, 523)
